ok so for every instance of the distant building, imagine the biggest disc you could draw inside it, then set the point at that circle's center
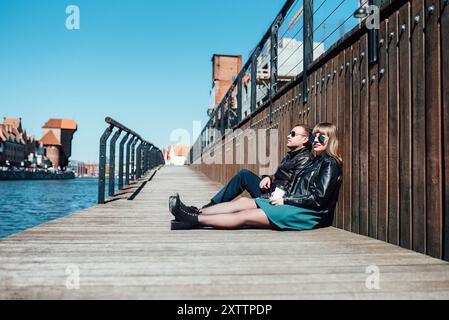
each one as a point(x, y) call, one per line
point(176, 155)
point(57, 136)
point(92, 169)
point(225, 69)
point(15, 145)
point(17, 148)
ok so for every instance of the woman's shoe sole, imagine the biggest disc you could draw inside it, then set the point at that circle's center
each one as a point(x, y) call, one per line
point(179, 225)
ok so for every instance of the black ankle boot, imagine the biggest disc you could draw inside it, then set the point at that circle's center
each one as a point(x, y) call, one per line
point(188, 218)
point(183, 206)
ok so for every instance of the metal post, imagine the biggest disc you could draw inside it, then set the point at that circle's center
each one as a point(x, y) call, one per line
point(240, 98)
point(216, 125)
point(139, 160)
point(120, 161)
point(144, 158)
point(254, 79)
point(308, 46)
point(102, 164)
point(112, 162)
point(150, 152)
point(133, 157)
point(373, 37)
point(149, 157)
point(207, 135)
point(274, 62)
point(222, 122)
point(128, 159)
point(228, 112)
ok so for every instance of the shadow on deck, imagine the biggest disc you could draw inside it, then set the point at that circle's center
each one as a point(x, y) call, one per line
point(125, 250)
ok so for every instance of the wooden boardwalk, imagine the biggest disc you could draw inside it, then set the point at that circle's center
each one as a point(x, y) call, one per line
point(125, 250)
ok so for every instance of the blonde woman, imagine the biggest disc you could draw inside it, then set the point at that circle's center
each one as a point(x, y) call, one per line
point(309, 204)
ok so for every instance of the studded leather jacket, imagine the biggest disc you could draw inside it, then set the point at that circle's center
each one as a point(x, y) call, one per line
point(290, 166)
point(317, 186)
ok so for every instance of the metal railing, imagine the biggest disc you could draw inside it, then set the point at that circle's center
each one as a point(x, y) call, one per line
point(299, 34)
point(137, 162)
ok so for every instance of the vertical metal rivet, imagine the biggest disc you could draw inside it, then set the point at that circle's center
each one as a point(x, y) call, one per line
point(417, 19)
point(382, 71)
point(431, 9)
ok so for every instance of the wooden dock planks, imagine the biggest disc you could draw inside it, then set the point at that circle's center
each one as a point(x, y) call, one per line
point(125, 250)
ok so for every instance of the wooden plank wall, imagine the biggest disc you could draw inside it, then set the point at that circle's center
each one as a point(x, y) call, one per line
point(393, 123)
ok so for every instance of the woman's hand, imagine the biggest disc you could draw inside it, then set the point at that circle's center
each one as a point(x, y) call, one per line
point(265, 184)
point(276, 202)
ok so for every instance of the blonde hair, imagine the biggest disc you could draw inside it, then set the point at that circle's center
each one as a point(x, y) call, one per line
point(332, 148)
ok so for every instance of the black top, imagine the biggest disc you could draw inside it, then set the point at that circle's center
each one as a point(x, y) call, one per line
point(318, 185)
point(290, 166)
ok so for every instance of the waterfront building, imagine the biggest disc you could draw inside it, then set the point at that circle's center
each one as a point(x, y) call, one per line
point(225, 69)
point(57, 136)
point(12, 142)
point(18, 149)
point(176, 155)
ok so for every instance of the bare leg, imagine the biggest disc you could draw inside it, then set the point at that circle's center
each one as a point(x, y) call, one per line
point(230, 207)
point(255, 218)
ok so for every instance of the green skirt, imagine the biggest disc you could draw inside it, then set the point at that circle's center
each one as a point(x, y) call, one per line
point(288, 217)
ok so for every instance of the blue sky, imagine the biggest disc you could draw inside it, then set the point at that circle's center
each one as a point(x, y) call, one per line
point(145, 63)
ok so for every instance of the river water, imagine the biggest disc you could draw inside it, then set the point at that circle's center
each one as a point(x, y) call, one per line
point(25, 204)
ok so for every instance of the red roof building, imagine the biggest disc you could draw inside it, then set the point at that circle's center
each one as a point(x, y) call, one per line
point(57, 136)
point(176, 155)
point(65, 124)
point(49, 139)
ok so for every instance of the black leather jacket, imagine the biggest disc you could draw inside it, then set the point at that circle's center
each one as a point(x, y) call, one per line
point(289, 167)
point(317, 186)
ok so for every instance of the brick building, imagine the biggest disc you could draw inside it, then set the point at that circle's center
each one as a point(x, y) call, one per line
point(13, 142)
point(57, 136)
point(225, 69)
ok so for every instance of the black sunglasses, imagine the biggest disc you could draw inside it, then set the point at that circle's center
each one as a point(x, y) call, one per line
point(294, 134)
point(321, 139)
